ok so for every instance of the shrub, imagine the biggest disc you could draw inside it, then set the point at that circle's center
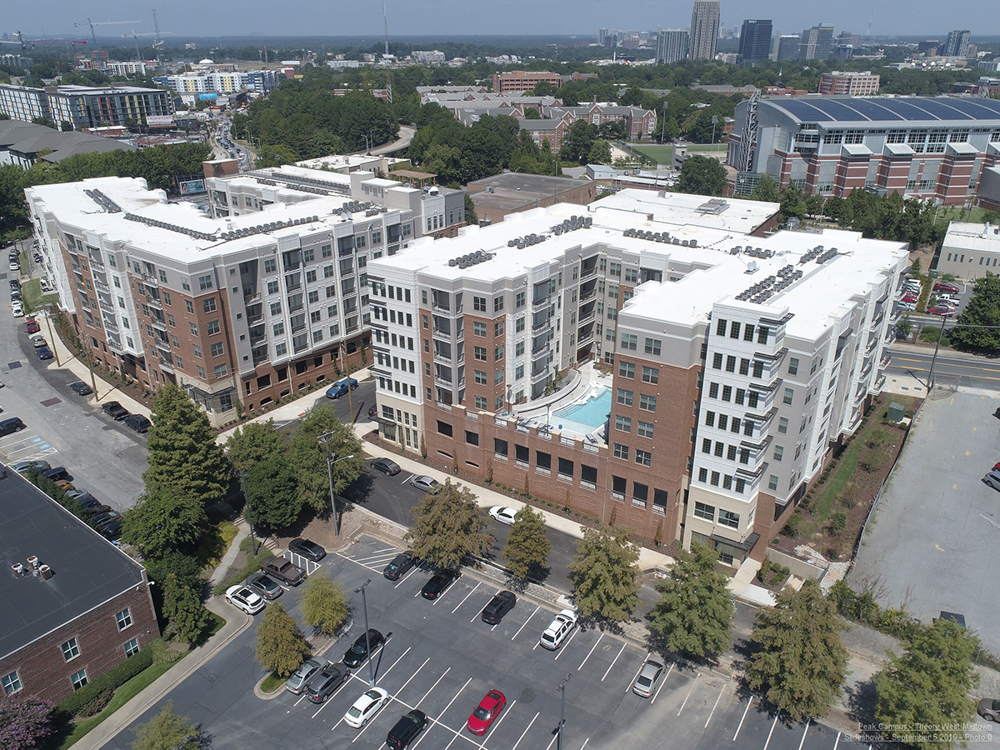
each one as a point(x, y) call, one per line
point(97, 703)
point(162, 653)
point(89, 695)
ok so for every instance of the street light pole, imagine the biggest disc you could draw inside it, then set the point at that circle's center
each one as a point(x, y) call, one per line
point(246, 497)
point(663, 125)
point(330, 461)
point(368, 642)
point(562, 711)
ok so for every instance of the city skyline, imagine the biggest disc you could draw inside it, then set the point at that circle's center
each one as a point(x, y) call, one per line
point(500, 17)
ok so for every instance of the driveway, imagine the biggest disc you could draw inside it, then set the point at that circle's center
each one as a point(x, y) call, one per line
point(935, 541)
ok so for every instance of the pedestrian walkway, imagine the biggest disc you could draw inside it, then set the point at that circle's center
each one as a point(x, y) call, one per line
point(219, 574)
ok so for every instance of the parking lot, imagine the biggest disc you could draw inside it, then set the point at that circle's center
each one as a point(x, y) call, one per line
point(441, 658)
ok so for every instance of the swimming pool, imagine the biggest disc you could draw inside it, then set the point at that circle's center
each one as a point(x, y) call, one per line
point(593, 412)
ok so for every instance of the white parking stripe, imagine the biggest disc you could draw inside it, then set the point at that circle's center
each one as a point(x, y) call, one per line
point(613, 663)
point(478, 584)
point(717, 705)
point(506, 713)
point(379, 650)
point(584, 745)
point(433, 686)
point(589, 653)
point(370, 721)
point(835, 744)
point(664, 682)
point(437, 720)
point(745, 712)
point(773, 723)
point(305, 694)
point(351, 559)
point(804, 733)
point(525, 623)
point(412, 571)
point(414, 674)
point(408, 478)
point(552, 741)
point(690, 690)
point(632, 681)
point(327, 702)
point(525, 731)
point(566, 645)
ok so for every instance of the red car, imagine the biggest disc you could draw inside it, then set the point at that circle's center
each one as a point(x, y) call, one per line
point(33, 326)
point(944, 311)
point(909, 298)
point(942, 286)
point(486, 712)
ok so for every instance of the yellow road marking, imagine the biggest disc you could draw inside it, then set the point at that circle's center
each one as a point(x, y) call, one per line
point(939, 548)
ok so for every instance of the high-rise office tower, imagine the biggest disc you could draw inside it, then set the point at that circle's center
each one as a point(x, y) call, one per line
point(704, 29)
point(957, 44)
point(788, 47)
point(672, 46)
point(816, 43)
point(755, 41)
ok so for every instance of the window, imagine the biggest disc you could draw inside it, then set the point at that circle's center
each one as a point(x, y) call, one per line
point(744, 366)
point(480, 353)
point(730, 363)
point(79, 679)
point(647, 403)
point(519, 325)
point(720, 449)
point(444, 428)
point(624, 424)
point(194, 329)
point(779, 451)
point(645, 429)
point(11, 683)
point(209, 305)
point(479, 329)
point(645, 458)
point(713, 390)
point(197, 350)
point(270, 265)
point(762, 334)
point(701, 510)
point(498, 354)
point(131, 647)
point(519, 349)
point(772, 482)
point(272, 287)
point(626, 369)
point(212, 327)
point(734, 330)
point(472, 438)
point(480, 402)
point(630, 341)
point(650, 375)
point(723, 421)
point(624, 397)
point(220, 371)
point(479, 304)
point(793, 366)
point(205, 282)
point(783, 425)
point(727, 392)
point(728, 518)
point(519, 300)
point(720, 327)
point(717, 361)
point(124, 619)
point(621, 451)
point(789, 396)
point(652, 346)
point(217, 350)
point(70, 649)
point(710, 418)
point(480, 377)
point(706, 445)
point(497, 304)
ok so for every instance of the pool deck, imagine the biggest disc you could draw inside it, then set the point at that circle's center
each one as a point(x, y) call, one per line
point(578, 393)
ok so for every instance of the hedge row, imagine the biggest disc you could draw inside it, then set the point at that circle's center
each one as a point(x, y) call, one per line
point(96, 694)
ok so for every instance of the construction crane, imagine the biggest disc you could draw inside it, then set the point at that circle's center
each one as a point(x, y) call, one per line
point(29, 44)
point(93, 34)
point(388, 69)
point(135, 38)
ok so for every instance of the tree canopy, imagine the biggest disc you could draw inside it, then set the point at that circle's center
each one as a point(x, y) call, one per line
point(447, 526)
point(186, 618)
point(281, 648)
point(605, 574)
point(307, 456)
point(253, 443)
point(25, 721)
point(168, 731)
point(702, 175)
point(162, 521)
point(527, 547)
point(983, 310)
point(324, 605)
point(273, 494)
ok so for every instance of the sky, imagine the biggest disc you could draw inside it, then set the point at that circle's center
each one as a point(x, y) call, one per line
point(54, 18)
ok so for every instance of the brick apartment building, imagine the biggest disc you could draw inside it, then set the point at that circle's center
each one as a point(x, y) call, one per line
point(523, 80)
point(242, 308)
point(849, 83)
point(75, 605)
point(705, 371)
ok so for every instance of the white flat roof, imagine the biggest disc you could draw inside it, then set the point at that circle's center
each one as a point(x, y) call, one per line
point(680, 208)
point(972, 236)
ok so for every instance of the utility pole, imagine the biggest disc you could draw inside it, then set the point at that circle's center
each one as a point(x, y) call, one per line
point(562, 711)
point(715, 121)
point(48, 324)
point(246, 497)
point(368, 642)
point(663, 126)
point(330, 461)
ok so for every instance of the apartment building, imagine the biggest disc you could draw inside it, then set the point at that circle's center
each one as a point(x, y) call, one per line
point(849, 83)
point(672, 46)
point(523, 80)
point(704, 29)
point(701, 373)
point(222, 82)
point(84, 106)
point(244, 307)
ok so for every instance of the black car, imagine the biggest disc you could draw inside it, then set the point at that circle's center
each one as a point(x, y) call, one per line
point(266, 586)
point(56, 473)
point(112, 530)
point(399, 565)
point(357, 653)
point(309, 550)
point(499, 605)
point(326, 681)
point(386, 466)
point(80, 388)
point(11, 425)
point(406, 730)
point(115, 410)
point(103, 519)
point(438, 583)
point(137, 422)
point(96, 509)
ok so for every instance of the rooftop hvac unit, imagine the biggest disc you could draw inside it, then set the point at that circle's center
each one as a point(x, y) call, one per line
point(752, 267)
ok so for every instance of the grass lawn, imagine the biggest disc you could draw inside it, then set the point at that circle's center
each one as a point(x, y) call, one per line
point(708, 147)
point(271, 683)
point(663, 154)
point(841, 477)
point(31, 293)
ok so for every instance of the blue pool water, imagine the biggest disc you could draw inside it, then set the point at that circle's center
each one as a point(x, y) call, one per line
point(593, 412)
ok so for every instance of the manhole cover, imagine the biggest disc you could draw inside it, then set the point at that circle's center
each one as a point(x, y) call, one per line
point(527, 695)
point(13, 365)
point(51, 401)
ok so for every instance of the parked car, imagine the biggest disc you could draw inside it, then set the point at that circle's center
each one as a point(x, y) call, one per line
point(944, 286)
point(339, 388)
point(11, 425)
point(989, 709)
point(906, 306)
point(649, 675)
point(559, 629)
point(406, 730)
point(365, 707)
point(438, 583)
point(992, 478)
point(44, 353)
point(266, 586)
point(137, 422)
point(245, 598)
point(92, 510)
point(102, 519)
point(111, 530)
point(65, 485)
point(945, 312)
point(309, 550)
point(80, 388)
point(425, 483)
point(83, 497)
point(296, 684)
point(22, 466)
point(283, 570)
point(909, 298)
point(399, 565)
point(115, 410)
point(499, 606)
point(56, 473)
point(325, 682)
point(39, 341)
point(32, 326)
point(358, 652)
point(386, 466)
point(503, 514)
point(486, 712)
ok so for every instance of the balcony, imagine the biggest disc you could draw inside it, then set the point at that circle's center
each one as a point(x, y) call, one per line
point(155, 302)
point(587, 318)
point(589, 294)
point(159, 325)
point(147, 278)
point(538, 327)
point(880, 382)
point(539, 350)
point(884, 362)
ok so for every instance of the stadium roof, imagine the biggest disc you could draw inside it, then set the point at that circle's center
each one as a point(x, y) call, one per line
point(889, 111)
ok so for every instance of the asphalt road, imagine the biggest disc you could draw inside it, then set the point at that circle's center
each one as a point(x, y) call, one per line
point(441, 658)
point(949, 369)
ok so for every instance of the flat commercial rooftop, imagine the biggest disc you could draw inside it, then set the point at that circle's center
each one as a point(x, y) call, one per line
point(513, 189)
point(87, 569)
point(971, 236)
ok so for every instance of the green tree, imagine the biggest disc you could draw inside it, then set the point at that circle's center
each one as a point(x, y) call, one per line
point(904, 327)
point(184, 460)
point(162, 521)
point(470, 211)
point(605, 574)
point(186, 618)
point(447, 526)
point(578, 142)
point(928, 685)
point(252, 443)
point(983, 310)
point(168, 731)
point(274, 155)
point(527, 545)
point(281, 648)
point(600, 153)
point(702, 175)
point(766, 190)
point(695, 610)
point(792, 203)
point(307, 456)
point(799, 660)
point(324, 605)
point(273, 494)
